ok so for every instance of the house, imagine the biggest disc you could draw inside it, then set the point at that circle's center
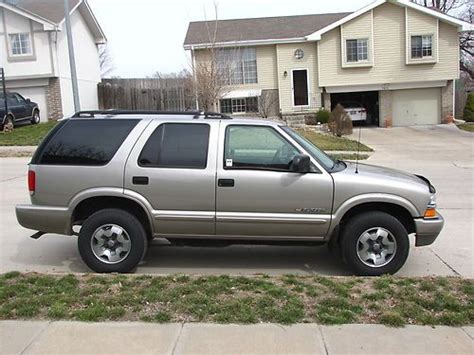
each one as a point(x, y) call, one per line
point(34, 53)
point(396, 58)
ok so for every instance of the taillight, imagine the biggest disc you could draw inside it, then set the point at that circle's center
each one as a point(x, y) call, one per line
point(31, 181)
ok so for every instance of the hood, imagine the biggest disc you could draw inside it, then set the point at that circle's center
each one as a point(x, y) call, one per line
point(383, 172)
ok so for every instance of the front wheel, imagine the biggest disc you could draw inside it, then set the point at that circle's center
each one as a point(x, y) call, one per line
point(112, 240)
point(374, 243)
point(36, 117)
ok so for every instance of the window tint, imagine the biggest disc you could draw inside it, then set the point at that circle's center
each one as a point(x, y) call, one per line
point(255, 147)
point(86, 142)
point(177, 145)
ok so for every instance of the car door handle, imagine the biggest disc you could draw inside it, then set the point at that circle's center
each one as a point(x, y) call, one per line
point(225, 182)
point(140, 180)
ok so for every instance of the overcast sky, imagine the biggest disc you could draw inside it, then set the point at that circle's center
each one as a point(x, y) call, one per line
point(146, 36)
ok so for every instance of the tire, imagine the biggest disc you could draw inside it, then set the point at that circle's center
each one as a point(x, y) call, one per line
point(378, 238)
point(8, 124)
point(117, 231)
point(36, 117)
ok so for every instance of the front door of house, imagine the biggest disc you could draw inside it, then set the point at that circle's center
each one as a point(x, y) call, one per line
point(300, 87)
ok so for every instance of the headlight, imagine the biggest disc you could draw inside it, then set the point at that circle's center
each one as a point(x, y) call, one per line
point(431, 208)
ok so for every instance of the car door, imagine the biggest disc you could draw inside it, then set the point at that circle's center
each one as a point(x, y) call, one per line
point(257, 193)
point(18, 107)
point(173, 166)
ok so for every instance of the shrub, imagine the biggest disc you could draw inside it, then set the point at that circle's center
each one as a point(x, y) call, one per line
point(322, 116)
point(469, 108)
point(310, 120)
point(339, 122)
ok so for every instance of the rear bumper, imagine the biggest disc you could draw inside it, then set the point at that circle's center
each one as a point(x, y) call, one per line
point(46, 219)
point(427, 230)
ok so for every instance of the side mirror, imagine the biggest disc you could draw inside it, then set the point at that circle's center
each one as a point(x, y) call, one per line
point(28, 101)
point(301, 164)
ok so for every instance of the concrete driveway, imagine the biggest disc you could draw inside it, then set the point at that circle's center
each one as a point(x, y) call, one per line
point(442, 153)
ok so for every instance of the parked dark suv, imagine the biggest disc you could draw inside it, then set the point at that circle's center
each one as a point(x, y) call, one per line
point(19, 110)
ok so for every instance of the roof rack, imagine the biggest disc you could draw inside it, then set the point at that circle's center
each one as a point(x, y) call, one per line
point(195, 114)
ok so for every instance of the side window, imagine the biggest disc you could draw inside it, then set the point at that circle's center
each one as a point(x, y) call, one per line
point(257, 147)
point(20, 99)
point(86, 142)
point(177, 145)
point(12, 100)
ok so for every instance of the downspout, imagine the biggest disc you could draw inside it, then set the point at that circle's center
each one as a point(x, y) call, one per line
point(195, 78)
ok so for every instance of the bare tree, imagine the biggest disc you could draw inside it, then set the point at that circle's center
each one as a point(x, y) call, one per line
point(266, 103)
point(105, 61)
point(465, 9)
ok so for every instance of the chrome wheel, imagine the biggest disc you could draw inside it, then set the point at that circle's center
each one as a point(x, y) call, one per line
point(111, 243)
point(36, 117)
point(376, 247)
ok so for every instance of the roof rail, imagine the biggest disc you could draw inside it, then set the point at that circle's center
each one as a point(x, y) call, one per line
point(195, 114)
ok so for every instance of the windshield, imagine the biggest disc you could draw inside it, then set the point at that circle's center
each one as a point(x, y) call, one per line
point(314, 151)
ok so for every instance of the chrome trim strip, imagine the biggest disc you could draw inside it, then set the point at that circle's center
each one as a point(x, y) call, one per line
point(239, 237)
point(272, 217)
point(183, 215)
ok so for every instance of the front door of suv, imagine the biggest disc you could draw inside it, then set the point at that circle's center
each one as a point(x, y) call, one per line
point(258, 194)
point(173, 167)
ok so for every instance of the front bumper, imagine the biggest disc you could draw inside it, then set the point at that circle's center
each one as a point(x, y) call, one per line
point(428, 229)
point(46, 219)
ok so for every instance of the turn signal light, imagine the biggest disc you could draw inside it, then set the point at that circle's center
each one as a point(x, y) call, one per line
point(31, 181)
point(430, 213)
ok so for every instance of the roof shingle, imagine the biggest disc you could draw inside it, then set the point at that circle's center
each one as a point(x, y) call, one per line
point(52, 10)
point(252, 29)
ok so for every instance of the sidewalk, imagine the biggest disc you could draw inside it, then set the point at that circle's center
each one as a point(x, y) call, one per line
point(35, 337)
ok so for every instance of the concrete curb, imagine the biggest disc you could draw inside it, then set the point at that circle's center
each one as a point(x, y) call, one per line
point(41, 337)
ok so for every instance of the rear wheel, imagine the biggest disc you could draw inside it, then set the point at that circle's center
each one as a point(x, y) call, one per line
point(8, 124)
point(36, 117)
point(112, 240)
point(374, 243)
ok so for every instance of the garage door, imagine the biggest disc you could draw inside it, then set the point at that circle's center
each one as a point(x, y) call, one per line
point(416, 107)
point(36, 94)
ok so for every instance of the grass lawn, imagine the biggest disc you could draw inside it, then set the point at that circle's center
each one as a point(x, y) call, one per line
point(26, 135)
point(330, 142)
point(352, 156)
point(467, 127)
point(285, 299)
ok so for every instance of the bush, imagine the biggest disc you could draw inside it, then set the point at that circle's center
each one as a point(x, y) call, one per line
point(469, 108)
point(322, 116)
point(339, 122)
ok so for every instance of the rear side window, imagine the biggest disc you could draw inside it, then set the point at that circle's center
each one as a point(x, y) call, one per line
point(177, 145)
point(85, 142)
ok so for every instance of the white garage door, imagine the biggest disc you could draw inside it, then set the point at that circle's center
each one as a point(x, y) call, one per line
point(416, 107)
point(36, 94)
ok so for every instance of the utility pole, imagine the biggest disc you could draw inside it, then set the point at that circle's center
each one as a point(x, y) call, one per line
point(72, 58)
point(4, 88)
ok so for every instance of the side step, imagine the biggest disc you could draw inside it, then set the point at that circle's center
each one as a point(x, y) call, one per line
point(37, 235)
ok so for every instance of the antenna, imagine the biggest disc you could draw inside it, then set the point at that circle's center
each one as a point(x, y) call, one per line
point(358, 149)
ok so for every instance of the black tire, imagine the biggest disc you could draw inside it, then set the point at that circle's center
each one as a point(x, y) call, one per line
point(370, 221)
point(36, 117)
point(129, 223)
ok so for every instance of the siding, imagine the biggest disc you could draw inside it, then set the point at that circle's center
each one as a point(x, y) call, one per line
point(287, 62)
point(266, 67)
point(418, 23)
point(390, 54)
point(358, 28)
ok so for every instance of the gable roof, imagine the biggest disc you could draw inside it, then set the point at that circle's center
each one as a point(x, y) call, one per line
point(51, 14)
point(258, 29)
point(290, 28)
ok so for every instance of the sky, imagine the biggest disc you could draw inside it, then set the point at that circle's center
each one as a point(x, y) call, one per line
point(146, 36)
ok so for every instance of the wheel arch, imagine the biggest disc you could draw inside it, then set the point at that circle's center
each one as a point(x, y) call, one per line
point(90, 205)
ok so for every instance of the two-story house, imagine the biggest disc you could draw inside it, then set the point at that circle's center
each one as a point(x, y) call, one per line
point(397, 59)
point(34, 53)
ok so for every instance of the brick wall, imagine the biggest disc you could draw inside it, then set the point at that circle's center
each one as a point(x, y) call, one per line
point(53, 99)
point(385, 104)
point(447, 108)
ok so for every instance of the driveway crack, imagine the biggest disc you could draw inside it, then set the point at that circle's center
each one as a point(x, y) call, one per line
point(177, 338)
point(324, 340)
point(36, 337)
point(445, 263)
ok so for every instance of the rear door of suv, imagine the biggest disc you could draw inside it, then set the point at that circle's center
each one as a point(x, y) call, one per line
point(173, 165)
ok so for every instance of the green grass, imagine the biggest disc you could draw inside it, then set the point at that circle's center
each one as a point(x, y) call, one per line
point(352, 156)
point(330, 142)
point(467, 127)
point(26, 135)
point(288, 299)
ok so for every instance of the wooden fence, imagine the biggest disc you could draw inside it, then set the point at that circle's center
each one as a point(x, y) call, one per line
point(144, 94)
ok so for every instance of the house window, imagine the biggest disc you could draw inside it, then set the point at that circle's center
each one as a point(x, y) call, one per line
point(421, 46)
point(357, 50)
point(237, 66)
point(20, 44)
point(239, 105)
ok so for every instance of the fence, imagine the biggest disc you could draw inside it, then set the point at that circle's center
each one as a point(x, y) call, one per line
point(145, 94)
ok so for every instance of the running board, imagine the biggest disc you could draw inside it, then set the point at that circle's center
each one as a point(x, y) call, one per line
point(37, 235)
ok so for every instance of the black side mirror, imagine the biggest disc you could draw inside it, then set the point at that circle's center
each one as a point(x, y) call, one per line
point(28, 101)
point(301, 163)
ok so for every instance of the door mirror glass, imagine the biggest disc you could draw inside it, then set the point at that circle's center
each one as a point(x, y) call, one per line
point(28, 101)
point(301, 164)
